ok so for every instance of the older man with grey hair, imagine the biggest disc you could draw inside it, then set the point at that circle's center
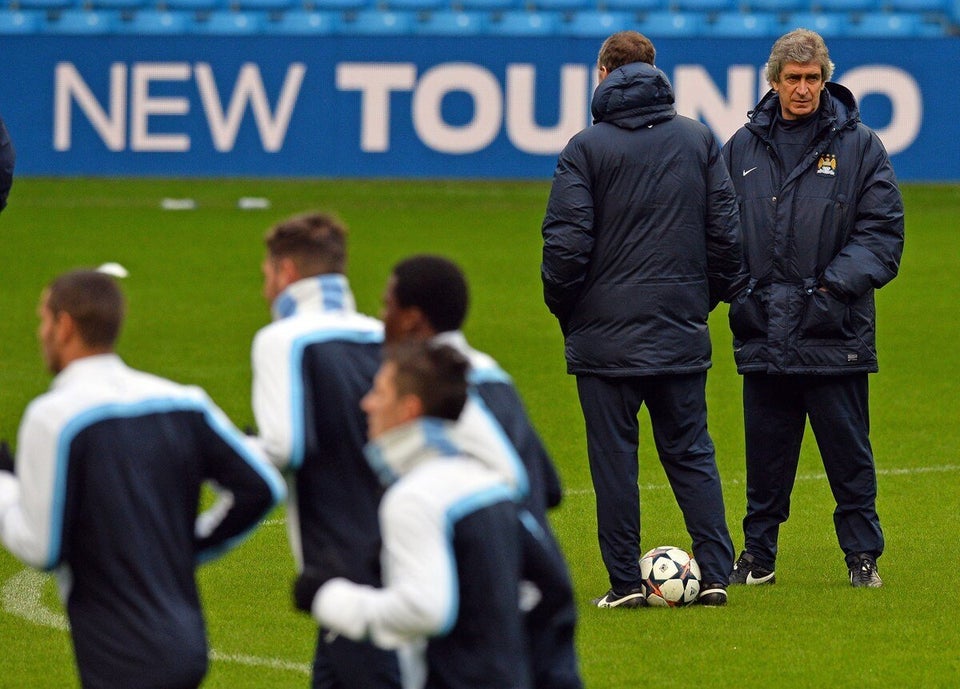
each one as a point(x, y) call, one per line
point(822, 219)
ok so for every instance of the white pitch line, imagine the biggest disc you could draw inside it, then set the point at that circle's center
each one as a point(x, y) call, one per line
point(946, 468)
point(21, 595)
point(241, 659)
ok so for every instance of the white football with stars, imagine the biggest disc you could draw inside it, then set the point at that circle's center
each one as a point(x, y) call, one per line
point(671, 577)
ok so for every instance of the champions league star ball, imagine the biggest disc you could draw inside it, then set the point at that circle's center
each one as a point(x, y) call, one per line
point(671, 577)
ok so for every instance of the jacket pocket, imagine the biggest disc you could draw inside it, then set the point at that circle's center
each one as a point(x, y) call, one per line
point(824, 316)
point(748, 314)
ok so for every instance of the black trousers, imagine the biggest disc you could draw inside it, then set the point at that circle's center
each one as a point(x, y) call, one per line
point(775, 409)
point(678, 416)
point(340, 663)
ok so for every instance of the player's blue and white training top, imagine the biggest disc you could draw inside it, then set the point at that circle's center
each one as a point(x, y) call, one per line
point(109, 468)
point(541, 485)
point(311, 368)
point(451, 560)
point(551, 621)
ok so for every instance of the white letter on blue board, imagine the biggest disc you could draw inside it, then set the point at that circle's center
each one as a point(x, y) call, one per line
point(906, 102)
point(69, 85)
point(482, 87)
point(142, 106)
point(698, 97)
point(375, 81)
point(249, 89)
point(522, 128)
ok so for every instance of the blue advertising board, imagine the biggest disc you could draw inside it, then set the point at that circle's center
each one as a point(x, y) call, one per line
point(468, 107)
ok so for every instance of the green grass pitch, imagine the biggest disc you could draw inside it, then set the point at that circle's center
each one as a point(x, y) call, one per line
point(195, 303)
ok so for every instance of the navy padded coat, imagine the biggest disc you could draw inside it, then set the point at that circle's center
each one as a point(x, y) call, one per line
point(836, 221)
point(641, 233)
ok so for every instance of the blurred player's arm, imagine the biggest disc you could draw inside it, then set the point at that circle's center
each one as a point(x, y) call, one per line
point(247, 486)
point(272, 400)
point(32, 498)
point(419, 600)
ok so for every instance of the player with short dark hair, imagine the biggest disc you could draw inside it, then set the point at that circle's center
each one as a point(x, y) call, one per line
point(436, 375)
point(427, 298)
point(109, 469)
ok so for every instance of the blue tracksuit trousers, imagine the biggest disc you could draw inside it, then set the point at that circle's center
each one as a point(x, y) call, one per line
point(678, 416)
point(775, 409)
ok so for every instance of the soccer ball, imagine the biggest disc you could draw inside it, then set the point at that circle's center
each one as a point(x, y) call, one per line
point(671, 577)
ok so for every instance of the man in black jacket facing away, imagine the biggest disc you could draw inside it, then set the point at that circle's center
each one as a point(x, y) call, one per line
point(823, 228)
point(641, 240)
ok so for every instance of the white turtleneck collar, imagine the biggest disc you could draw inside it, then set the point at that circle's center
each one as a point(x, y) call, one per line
point(329, 292)
point(400, 449)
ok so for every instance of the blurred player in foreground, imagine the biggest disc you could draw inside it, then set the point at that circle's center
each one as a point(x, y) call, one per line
point(311, 367)
point(426, 298)
point(109, 468)
point(451, 537)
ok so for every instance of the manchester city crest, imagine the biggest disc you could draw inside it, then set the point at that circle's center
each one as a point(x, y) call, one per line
point(827, 165)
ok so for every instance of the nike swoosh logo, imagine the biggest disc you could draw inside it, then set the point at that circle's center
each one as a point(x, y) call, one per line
point(758, 580)
point(747, 172)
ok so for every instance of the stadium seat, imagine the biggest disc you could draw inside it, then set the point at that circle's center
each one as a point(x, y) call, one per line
point(265, 5)
point(340, 5)
point(633, 5)
point(667, 24)
point(304, 23)
point(45, 4)
point(450, 23)
point(488, 5)
point(827, 24)
point(922, 6)
point(21, 21)
point(744, 25)
point(201, 6)
point(378, 22)
point(75, 21)
point(849, 5)
point(775, 5)
point(116, 4)
point(596, 24)
point(231, 23)
point(704, 5)
point(892, 25)
point(412, 5)
point(564, 5)
point(525, 23)
point(151, 21)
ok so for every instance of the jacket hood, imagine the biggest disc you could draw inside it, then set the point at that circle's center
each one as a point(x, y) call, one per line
point(838, 108)
point(633, 96)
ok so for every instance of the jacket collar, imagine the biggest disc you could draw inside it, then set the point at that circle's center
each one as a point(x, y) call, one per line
point(97, 366)
point(398, 451)
point(838, 110)
point(330, 292)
